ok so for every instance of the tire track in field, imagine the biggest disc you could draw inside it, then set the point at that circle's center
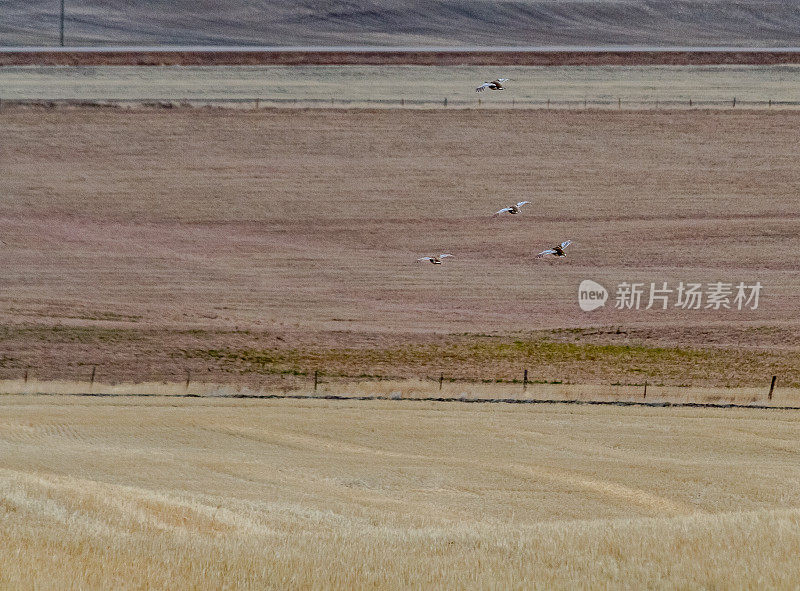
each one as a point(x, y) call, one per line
point(605, 489)
point(658, 504)
point(110, 509)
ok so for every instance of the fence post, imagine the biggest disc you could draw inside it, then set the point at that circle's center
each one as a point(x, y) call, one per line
point(771, 387)
point(26, 376)
point(316, 379)
point(188, 378)
point(645, 390)
point(734, 102)
point(441, 379)
point(445, 101)
point(770, 103)
point(91, 379)
point(619, 103)
point(61, 26)
point(690, 101)
point(525, 380)
point(548, 104)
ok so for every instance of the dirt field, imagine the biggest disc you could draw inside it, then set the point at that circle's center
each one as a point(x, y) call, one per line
point(133, 493)
point(335, 57)
point(266, 244)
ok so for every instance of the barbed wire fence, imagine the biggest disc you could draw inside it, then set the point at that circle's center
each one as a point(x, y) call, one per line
point(257, 103)
point(95, 380)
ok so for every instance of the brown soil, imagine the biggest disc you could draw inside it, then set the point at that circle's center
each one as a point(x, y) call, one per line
point(264, 245)
point(396, 58)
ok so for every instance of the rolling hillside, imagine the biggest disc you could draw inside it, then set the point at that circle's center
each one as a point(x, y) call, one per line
point(407, 23)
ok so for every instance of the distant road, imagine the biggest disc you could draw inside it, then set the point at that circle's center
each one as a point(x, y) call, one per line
point(435, 56)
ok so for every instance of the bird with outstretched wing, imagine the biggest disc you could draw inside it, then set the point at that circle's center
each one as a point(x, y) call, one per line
point(434, 260)
point(512, 209)
point(556, 251)
point(493, 85)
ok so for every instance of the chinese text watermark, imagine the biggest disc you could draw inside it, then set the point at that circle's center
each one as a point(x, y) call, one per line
point(663, 296)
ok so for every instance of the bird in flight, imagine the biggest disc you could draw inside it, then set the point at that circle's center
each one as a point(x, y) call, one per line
point(493, 85)
point(556, 251)
point(434, 260)
point(514, 209)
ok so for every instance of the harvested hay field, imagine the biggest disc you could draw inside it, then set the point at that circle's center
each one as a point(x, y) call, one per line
point(613, 87)
point(143, 493)
point(264, 245)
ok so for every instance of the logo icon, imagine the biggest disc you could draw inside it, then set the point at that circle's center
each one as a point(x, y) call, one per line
point(591, 295)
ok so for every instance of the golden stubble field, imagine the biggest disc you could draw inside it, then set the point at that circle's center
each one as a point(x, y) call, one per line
point(133, 493)
point(149, 242)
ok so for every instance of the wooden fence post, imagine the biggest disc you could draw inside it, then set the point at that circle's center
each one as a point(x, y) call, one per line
point(619, 103)
point(26, 376)
point(645, 390)
point(188, 378)
point(690, 101)
point(61, 26)
point(445, 101)
point(734, 102)
point(441, 379)
point(316, 379)
point(771, 387)
point(525, 380)
point(91, 379)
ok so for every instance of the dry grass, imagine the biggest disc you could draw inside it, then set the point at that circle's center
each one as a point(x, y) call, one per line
point(208, 493)
point(499, 359)
point(638, 87)
point(417, 389)
point(287, 360)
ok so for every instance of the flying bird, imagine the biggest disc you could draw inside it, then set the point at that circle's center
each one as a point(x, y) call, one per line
point(493, 85)
point(434, 260)
point(556, 251)
point(514, 209)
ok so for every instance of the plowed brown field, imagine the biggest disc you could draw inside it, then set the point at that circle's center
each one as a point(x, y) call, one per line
point(229, 242)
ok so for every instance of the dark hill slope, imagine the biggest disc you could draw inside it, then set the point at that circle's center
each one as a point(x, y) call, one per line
point(405, 23)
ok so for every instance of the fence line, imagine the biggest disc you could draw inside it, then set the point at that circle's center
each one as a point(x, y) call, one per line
point(438, 399)
point(316, 377)
point(445, 102)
